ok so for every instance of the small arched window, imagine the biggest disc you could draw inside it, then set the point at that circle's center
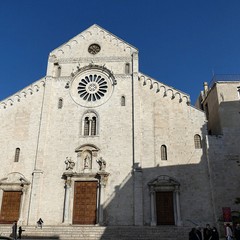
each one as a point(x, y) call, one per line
point(197, 141)
point(127, 68)
point(60, 103)
point(17, 155)
point(123, 101)
point(90, 124)
point(86, 126)
point(163, 152)
point(93, 127)
point(56, 70)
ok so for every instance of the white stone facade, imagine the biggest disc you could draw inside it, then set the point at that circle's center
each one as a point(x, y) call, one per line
point(95, 118)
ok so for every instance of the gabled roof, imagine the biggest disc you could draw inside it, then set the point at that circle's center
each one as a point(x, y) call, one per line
point(94, 29)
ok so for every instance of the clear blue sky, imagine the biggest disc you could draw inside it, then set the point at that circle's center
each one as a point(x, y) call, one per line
point(180, 42)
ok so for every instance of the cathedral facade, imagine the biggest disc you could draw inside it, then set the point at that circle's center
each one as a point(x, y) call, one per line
point(96, 141)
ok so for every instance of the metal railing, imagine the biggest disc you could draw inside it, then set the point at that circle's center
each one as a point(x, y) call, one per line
point(224, 78)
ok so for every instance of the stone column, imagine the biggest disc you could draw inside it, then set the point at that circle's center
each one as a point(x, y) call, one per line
point(179, 220)
point(34, 211)
point(152, 207)
point(24, 190)
point(90, 127)
point(66, 201)
point(103, 177)
point(101, 202)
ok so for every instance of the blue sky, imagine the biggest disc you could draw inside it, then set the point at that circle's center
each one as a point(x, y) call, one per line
point(181, 42)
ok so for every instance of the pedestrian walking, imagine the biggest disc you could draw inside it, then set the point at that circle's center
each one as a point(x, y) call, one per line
point(20, 230)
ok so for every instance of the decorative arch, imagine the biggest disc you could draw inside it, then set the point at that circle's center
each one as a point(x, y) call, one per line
point(90, 123)
point(161, 186)
point(86, 158)
point(14, 181)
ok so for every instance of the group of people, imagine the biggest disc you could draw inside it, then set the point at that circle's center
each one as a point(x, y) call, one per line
point(14, 231)
point(209, 233)
point(17, 231)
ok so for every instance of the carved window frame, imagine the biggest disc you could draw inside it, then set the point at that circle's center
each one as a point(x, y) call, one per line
point(90, 124)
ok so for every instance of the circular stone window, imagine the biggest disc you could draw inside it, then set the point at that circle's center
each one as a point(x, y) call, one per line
point(94, 48)
point(91, 88)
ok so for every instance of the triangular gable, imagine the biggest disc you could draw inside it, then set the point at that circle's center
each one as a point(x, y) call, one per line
point(92, 31)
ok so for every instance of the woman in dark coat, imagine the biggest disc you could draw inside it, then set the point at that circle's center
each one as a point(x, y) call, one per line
point(215, 235)
point(193, 234)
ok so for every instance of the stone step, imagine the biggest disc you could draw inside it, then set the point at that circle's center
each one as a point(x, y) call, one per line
point(101, 233)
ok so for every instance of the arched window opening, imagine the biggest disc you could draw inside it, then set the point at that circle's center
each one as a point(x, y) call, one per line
point(60, 103)
point(127, 68)
point(197, 141)
point(86, 126)
point(56, 70)
point(123, 101)
point(90, 124)
point(17, 155)
point(93, 127)
point(163, 152)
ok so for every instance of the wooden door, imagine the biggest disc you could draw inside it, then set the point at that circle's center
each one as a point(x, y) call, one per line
point(10, 207)
point(85, 203)
point(164, 207)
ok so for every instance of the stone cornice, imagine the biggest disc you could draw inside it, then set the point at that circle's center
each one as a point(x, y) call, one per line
point(94, 30)
point(163, 89)
point(24, 93)
point(64, 60)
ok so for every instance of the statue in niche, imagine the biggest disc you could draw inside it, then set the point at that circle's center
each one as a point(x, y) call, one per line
point(102, 164)
point(69, 164)
point(87, 161)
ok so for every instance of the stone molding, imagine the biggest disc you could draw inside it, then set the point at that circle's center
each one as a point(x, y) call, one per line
point(89, 59)
point(24, 93)
point(14, 182)
point(165, 90)
point(94, 30)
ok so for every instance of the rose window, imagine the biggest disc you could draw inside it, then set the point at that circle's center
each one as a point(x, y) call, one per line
point(92, 87)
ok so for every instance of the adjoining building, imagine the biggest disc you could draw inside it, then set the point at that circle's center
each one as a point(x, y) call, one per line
point(96, 141)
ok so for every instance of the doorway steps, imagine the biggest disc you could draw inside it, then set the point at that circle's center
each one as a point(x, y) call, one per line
point(101, 232)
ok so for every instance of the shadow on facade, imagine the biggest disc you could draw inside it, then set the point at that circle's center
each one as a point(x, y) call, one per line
point(224, 158)
point(134, 202)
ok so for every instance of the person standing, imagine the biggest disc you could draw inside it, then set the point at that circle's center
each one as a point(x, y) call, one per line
point(229, 234)
point(199, 233)
point(207, 232)
point(193, 234)
point(237, 232)
point(215, 235)
point(14, 230)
